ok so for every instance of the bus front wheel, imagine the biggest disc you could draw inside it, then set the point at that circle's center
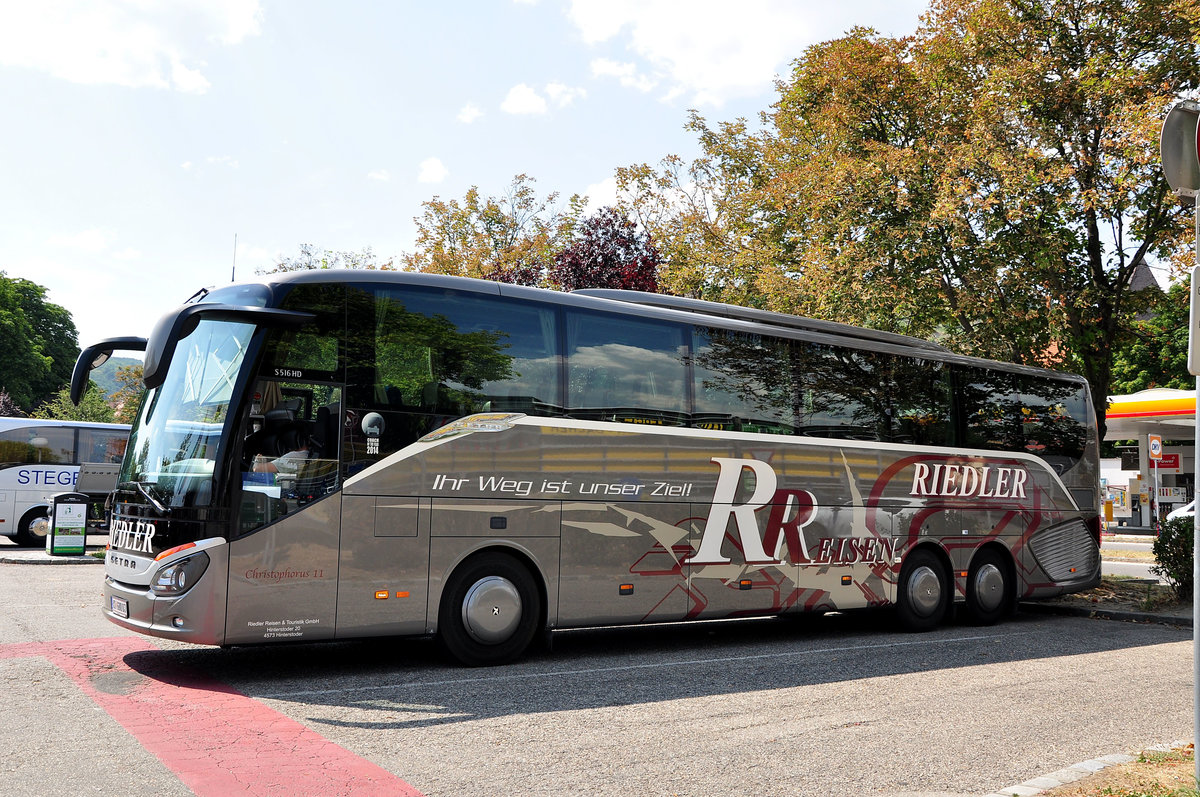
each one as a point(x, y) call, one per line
point(490, 610)
point(33, 528)
point(924, 594)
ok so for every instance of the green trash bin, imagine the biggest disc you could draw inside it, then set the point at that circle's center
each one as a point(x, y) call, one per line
point(68, 525)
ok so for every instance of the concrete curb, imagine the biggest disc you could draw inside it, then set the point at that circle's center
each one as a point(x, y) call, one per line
point(1076, 772)
point(32, 556)
point(1107, 614)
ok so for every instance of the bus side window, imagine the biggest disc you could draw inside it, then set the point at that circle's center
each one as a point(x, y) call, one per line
point(920, 402)
point(97, 445)
point(741, 382)
point(841, 392)
point(625, 368)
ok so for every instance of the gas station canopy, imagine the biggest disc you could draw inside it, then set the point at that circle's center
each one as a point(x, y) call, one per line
point(1161, 411)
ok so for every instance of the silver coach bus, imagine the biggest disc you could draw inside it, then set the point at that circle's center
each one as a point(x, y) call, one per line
point(340, 454)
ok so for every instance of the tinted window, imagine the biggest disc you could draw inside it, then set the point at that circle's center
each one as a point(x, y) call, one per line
point(1017, 412)
point(309, 352)
point(41, 444)
point(97, 445)
point(846, 393)
point(742, 382)
point(921, 408)
point(419, 358)
point(624, 369)
point(462, 353)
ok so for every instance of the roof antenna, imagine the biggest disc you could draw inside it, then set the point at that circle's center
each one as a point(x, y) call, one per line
point(233, 273)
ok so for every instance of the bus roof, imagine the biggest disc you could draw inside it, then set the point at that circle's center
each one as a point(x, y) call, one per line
point(759, 316)
point(664, 306)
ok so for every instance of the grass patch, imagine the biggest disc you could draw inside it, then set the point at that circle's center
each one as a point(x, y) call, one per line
point(1169, 773)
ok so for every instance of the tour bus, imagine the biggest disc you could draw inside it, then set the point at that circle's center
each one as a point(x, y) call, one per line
point(338, 454)
point(41, 458)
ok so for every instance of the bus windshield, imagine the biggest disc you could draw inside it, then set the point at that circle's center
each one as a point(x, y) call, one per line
point(175, 440)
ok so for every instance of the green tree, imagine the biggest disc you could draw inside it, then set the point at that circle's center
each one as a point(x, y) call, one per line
point(513, 238)
point(991, 180)
point(1155, 352)
point(313, 257)
point(38, 342)
point(126, 399)
point(54, 334)
point(92, 407)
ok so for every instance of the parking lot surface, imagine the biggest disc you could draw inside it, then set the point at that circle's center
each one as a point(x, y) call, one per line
point(841, 705)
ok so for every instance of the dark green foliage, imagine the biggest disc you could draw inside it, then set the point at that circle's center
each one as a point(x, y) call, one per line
point(92, 407)
point(1155, 355)
point(107, 377)
point(1173, 552)
point(38, 342)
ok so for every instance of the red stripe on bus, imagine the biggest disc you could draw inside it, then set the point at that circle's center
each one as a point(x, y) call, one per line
point(216, 740)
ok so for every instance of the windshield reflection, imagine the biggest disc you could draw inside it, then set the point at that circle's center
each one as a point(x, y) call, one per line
point(175, 441)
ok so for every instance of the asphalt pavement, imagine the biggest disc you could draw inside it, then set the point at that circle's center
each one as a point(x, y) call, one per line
point(1180, 616)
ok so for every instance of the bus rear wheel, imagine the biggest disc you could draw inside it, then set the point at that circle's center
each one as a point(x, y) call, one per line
point(988, 588)
point(490, 611)
point(33, 528)
point(924, 593)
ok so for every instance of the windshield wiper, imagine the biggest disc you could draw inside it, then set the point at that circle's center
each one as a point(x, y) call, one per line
point(145, 492)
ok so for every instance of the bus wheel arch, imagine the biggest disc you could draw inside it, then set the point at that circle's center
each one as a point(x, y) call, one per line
point(493, 605)
point(924, 592)
point(991, 584)
point(34, 526)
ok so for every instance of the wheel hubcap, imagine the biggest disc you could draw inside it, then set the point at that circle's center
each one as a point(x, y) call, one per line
point(40, 527)
point(924, 591)
point(988, 587)
point(491, 610)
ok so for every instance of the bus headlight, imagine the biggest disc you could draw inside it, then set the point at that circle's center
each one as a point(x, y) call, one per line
point(179, 576)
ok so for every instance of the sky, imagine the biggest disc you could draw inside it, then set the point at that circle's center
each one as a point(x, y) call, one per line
point(152, 148)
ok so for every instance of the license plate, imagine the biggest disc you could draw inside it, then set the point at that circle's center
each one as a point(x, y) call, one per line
point(120, 607)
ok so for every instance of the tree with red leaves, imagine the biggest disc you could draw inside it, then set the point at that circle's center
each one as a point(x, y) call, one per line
point(607, 251)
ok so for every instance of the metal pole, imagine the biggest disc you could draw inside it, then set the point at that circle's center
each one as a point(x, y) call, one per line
point(1196, 514)
point(233, 272)
point(1153, 504)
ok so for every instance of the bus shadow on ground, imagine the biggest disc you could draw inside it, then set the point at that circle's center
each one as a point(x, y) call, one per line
point(408, 683)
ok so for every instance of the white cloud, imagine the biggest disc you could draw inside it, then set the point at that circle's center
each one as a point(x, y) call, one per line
point(133, 44)
point(713, 50)
point(601, 194)
point(221, 160)
point(523, 99)
point(381, 175)
point(562, 95)
point(432, 170)
point(626, 72)
point(469, 113)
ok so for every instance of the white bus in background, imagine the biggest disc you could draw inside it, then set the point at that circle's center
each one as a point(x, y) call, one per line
point(41, 458)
